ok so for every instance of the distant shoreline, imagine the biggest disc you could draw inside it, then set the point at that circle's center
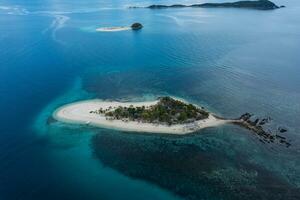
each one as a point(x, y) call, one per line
point(79, 113)
point(252, 4)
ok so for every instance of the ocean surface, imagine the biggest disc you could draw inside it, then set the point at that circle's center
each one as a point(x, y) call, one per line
point(230, 61)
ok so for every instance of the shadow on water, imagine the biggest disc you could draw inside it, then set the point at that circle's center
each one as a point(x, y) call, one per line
point(198, 166)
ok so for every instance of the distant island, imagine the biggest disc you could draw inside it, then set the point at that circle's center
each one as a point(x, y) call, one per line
point(134, 26)
point(259, 5)
point(165, 115)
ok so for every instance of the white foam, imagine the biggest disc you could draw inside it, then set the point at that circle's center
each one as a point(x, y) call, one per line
point(13, 10)
point(58, 23)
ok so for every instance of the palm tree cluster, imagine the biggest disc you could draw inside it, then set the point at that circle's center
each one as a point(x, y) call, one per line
point(167, 110)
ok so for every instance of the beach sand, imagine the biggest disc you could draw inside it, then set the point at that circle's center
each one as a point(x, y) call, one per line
point(113, 29)
point(79, 113)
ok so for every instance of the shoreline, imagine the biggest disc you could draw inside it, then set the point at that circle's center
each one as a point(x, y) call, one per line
point(79, 113)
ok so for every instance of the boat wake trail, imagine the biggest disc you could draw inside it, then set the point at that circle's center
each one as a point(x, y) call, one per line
point(175, 19)
point(182, 20)
point(57, 24)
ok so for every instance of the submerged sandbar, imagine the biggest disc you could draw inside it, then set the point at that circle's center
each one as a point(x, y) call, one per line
point(113, 29)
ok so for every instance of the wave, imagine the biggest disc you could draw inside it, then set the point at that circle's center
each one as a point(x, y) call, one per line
point(57, 24)
point(175, 19)
point(17, 10)
point(78, 11)
point(13, 10)
point(181, 20)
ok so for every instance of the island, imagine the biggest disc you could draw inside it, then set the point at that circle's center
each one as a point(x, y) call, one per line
point(165, 115)
point(134, 26)
point(259, 5)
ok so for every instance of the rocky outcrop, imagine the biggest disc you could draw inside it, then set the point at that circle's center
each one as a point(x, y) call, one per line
point(282, 129)
point(256, 126)
point(136, 26)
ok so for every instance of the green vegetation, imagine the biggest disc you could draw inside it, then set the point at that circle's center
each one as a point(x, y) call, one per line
point(167, 110)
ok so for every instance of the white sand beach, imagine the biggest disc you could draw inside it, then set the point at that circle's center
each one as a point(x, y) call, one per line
point(79, 113)
point(113, 29)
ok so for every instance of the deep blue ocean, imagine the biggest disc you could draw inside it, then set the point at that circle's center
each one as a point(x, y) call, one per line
point(230, 61)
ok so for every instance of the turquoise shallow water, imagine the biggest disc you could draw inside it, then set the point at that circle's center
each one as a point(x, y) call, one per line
point(228, 60)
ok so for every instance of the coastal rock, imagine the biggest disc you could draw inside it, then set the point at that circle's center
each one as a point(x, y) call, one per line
point(136, 26)
point(282, 129)
point(255, 122)
point(266, 136)
point(245, 116)
point(264, 121)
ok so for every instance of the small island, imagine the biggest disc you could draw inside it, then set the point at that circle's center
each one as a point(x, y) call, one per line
point(258, 5)
point(164, 115)
point(134, 26)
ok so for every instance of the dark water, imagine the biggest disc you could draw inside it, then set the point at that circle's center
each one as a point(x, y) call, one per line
point(230, 61)
point(192, 166)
